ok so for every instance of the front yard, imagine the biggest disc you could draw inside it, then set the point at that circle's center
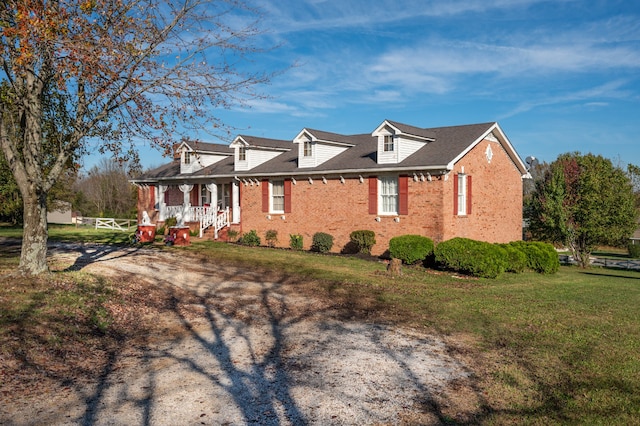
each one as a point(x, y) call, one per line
point(563, 348)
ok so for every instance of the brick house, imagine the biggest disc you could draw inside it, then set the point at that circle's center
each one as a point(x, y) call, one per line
point(458, 181)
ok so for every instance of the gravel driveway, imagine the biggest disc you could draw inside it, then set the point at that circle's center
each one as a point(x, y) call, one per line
point(257, 353)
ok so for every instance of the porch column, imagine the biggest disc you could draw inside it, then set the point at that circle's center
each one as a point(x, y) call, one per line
point(235, 197)
point(162, 206)
point(213, 190)
point(186, 202)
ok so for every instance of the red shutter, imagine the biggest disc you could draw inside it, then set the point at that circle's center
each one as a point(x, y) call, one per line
point(468, 195)
point(194, 195)
point(373, 195)
point(403, 195)
point(455, 195)
point(287, 195)
point(152, 197)
point(265, 196)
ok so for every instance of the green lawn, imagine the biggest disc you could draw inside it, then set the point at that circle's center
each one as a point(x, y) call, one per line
point(558, 349)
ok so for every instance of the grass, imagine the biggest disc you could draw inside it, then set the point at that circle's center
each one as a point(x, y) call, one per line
point(558, 349)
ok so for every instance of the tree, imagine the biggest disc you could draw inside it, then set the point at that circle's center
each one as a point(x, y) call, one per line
point(106, 192)
point(582, 201)
point(113, 71)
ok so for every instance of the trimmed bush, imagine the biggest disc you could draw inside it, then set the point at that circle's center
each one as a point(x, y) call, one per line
point(250, 238)
point(363, 240)
point(295, 241)
point(634, 250)
point(322, 242)
point(271, 236)
point(516, 258)
point(410, 248)
point(232, 235)
point(541, 257)
point(471, 257)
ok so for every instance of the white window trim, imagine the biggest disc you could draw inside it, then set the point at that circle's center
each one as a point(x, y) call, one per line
point(242, 150)
point(271, 196)
point(308, 144)
point(462, 194)
point(381, 211)
point(388, 140)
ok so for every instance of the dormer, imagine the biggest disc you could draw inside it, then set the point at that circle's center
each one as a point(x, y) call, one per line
point(398, 141)
point(315, 147)
point(251, 151)
point(196, 155)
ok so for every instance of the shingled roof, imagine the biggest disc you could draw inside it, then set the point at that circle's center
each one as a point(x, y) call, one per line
point(446, 145)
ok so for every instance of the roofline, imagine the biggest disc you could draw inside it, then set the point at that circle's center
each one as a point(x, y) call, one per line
point(443, 169)
point(314, 138)
point(504, 141)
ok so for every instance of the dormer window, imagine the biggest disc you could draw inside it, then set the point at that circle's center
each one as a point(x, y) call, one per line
point(388, 143)
point(187, 157)
point(242, 153)
point(308, 149)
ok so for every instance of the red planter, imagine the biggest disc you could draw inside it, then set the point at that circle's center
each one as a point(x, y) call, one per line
point(147, 233)
point(180, 236)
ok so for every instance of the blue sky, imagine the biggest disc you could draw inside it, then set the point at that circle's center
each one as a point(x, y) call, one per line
point(558, 76)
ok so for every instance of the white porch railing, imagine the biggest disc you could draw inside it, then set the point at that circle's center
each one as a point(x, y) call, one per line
point(207, 216)
point(222, 220)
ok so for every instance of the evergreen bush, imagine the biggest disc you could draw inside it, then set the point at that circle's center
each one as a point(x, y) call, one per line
point(516, 258)
point(541, 257)
point(321, 242)
point(363, 240)
point(410, 248)
point(250, 238)
point(471, 257)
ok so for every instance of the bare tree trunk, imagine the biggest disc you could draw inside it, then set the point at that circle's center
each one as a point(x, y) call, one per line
point(33, 258)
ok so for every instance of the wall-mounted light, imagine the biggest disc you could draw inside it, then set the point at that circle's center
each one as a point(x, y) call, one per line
point(310, 181)
point(324, 180)
point(341, 180)
point(293, 181)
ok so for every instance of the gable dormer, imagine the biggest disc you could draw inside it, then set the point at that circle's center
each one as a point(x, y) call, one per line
point(250, 151)
point(398, 141)
point(196, 155)
point(315, 147)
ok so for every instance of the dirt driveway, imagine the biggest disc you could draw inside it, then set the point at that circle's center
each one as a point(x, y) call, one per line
point(253, 351)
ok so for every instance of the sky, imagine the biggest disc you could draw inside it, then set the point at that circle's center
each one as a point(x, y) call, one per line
point(558, 76)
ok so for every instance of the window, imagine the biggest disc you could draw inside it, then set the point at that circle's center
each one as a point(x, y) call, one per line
point(462, 195)
point(308, 149)
point(187, 157)
point(205, 195)
point(388, 195)
point(388, 143)
point(242, 153)
point(224, 195)
point(277, 196)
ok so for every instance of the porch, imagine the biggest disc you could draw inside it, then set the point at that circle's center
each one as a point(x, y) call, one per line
point(208, 206)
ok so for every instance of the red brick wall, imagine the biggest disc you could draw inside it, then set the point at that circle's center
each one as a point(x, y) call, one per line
point(496, 214)
point(340, 208)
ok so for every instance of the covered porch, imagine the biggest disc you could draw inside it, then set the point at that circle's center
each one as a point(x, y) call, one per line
point(209, 205)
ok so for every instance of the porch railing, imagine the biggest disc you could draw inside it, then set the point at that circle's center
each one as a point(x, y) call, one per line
point(207, 216)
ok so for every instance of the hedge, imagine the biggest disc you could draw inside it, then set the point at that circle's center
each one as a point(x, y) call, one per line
point(410, 248)
point(471, 257)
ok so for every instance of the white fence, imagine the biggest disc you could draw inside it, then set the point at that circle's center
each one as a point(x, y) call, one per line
point(108, 223)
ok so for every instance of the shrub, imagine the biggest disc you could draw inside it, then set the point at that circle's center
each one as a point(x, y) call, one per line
point(170, 221)
point(471, 257)
point(634, 250)
point(250, 238)
point(541, 257)
point(410, 248)
point(321, 242)
point(194, 233)
point(295, 241)
point(160, 230)
point(363, 240)
point(516, 258)
point(232, 235)
point(272, 237)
